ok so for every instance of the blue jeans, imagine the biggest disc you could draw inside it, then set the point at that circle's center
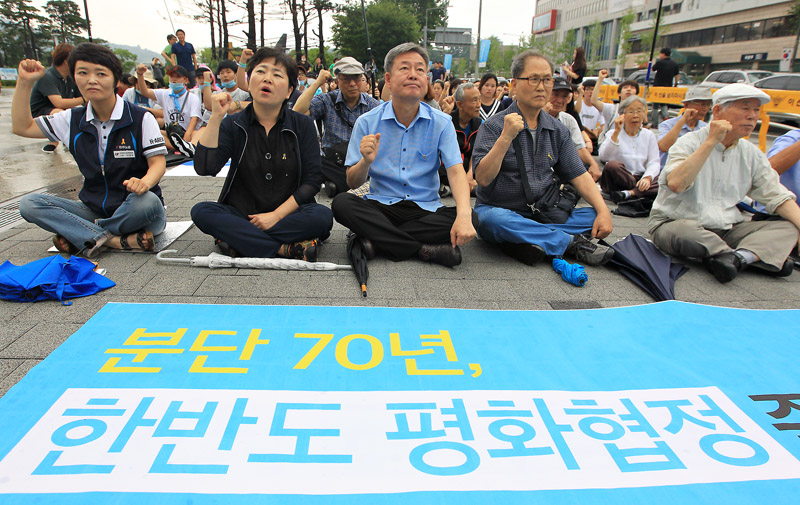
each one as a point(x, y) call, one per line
point(497, 225)
point(228, 224)
point(82, 227)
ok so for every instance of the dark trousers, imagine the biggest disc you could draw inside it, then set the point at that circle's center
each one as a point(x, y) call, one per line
point(336, 174)
point(616, 178)
point(230, 225)
point(396, 231)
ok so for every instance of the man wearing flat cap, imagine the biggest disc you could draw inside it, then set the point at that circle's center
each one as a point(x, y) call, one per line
point(696, 104)
point(707, 173)
point(338, 110)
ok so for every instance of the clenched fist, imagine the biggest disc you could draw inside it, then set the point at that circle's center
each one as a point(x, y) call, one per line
point(512, 125)
point(369, 147)
point(718, 129)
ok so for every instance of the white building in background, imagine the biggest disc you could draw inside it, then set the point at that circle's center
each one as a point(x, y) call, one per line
point(704, 35)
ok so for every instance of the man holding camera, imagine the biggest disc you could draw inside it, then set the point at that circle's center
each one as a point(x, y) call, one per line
point(338, 111)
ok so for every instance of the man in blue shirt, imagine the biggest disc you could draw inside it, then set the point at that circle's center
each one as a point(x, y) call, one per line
point(184, 53)
point(784, 156)
point(399, 145)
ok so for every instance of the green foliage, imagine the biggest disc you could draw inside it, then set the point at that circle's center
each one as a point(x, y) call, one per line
point(19, 21)
point(65, 19)
point(127, 58)
point(594, 47)
point(437, 16)
point(647, 42)
point(499, 60)
point(550, 46)
point(625, 23)
point(794, 15)
point(389, 25)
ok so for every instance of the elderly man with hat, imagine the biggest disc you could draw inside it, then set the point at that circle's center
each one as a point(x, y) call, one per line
point(338, 110)
point(707, 173)
point(696, 105)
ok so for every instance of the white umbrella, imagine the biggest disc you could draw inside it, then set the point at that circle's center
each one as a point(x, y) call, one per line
point(215, 260)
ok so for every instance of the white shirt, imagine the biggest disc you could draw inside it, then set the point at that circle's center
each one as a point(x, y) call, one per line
point(57, 129)
point(574, 129)
point(130, 96)
point(639, 154)
point(727, 176)
point(609, 115)
point(591, 117)
point(171, 113)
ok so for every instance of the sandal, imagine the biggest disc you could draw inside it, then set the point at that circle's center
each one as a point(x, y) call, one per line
point(63, 245)
point(144, 239)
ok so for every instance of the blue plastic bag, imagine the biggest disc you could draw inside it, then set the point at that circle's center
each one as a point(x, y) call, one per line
point(54, 278)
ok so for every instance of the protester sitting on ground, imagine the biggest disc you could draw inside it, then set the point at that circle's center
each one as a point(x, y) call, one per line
point(784, 157)
point(557, 105)
point(708, 172)
point(185, 56)
point(302, 81)
point(514, 203)
point(464, 108)
point(241, 77)
point(592, 119)
point(429, 98)
point(56, 90)
point(226, 71)
point(180, 108)
point(266, 208)
point(119, 151)
point(490, 105)
point(610, 110)
point(167, 52)
point(438, 91)
point(630, 153)
point(133, 96)
point(696, 103)
point(399, 145)
point(452, 85)
point(338, 111)
point(124, 84)
point(303, 65)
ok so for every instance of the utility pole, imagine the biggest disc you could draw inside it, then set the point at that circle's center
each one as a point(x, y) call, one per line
point(88, 23)
point(478, 51)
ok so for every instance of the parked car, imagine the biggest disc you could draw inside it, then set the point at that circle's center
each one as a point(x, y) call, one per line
point(639, 76)
point(722, 78)
point(789, 82)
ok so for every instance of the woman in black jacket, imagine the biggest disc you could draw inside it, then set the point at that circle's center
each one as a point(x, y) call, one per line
point(267, 206)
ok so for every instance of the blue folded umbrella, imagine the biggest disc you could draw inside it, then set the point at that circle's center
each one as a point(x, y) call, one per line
point(54, 278)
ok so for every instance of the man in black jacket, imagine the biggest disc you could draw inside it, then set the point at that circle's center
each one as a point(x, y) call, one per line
point(267, 207)
point(466, 111)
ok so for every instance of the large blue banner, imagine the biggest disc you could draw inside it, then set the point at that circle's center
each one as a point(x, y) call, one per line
point(663, 403)
point(483, 56)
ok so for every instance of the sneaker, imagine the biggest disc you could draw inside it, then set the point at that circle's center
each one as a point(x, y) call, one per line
point(530, 254)
point(618, 196)
point(49, 148)
point(586, 251)
point(443, 254)
point(306, 250)
point(183, 147)
point(725, 266)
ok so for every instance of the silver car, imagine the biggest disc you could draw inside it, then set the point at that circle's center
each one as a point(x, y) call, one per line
point(722, 78)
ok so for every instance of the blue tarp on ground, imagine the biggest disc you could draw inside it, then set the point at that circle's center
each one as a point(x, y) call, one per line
point(663, 403)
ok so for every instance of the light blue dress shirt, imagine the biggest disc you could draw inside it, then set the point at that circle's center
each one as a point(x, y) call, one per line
point(407, 164)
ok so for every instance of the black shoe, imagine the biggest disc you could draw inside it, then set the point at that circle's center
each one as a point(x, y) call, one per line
point(725, 266)
point(530, 254)
point(331, 188)
point(49, 148)
point(443, 254)
point(368, 248)
point(585, 251)
point(183, 147)
point(225, 249)
point(618, 196)
point(785, 271)
point(306, 250)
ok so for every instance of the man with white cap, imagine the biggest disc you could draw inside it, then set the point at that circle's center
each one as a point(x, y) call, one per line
point(338, 110)
point(696, 104)
point(707, 173)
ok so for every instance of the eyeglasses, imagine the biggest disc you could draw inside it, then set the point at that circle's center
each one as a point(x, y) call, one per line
point(534, 80)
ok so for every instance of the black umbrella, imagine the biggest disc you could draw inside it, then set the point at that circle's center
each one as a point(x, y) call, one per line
point(358, 259)
point(639, 260)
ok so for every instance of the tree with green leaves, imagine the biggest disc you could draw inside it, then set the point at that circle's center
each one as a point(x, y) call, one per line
point(593, 41)
point(647, 41)
point(557, 51)
point(65, 20)
point(20, 18)
point(500, 57)
point(127, 58)
point(437, 15)
point(625, 23)
point(389, 25)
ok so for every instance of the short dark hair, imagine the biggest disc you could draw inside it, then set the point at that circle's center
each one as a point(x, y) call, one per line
point(281, 58)
point(61, 53)
point(179, 30)
point(170, 36)
point(95, 53)
point(406, 47)
point(485, 78)
point(628, 83)
point(589, 83)
point(667, 51)
point(229, 64)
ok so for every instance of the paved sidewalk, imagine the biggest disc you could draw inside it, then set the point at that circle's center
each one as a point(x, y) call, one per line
point(486, 279)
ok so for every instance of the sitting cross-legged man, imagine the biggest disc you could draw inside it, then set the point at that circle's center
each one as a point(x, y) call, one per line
point(120, 153)
point(399, 145)
point(708, 172)
point(267, 207)
point(521, 157)
point(466, 113)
